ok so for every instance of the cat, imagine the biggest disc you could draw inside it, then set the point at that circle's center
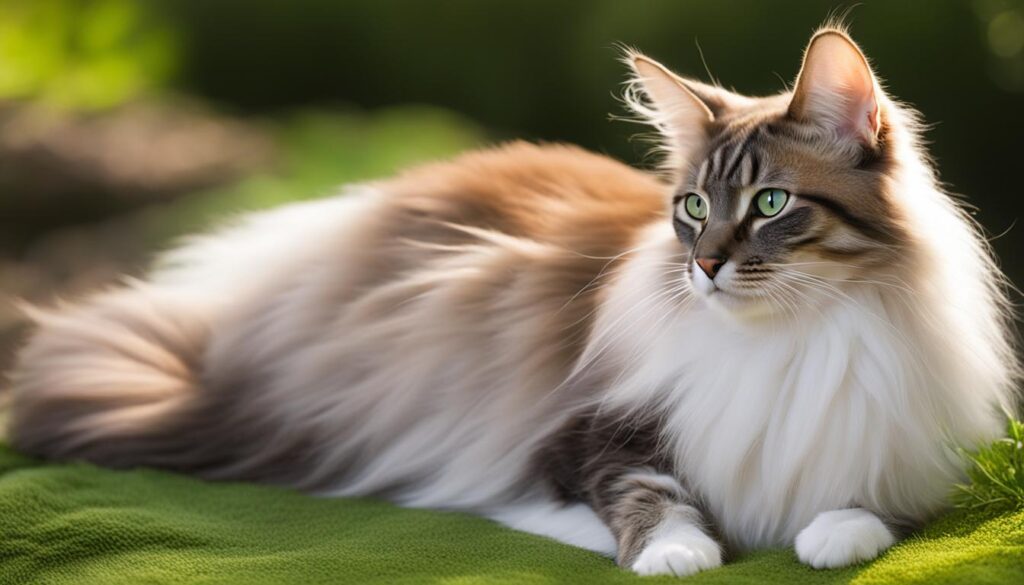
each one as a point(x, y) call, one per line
point(779, 341)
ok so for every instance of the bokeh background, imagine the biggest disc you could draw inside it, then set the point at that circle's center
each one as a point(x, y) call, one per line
point(127, 123)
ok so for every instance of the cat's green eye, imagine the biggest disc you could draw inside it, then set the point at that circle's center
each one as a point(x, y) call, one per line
point(769, 202)
point(696, 207)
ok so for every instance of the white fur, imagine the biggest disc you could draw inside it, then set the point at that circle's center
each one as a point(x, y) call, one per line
point(233, 266)
point(574, 524)
point(777, 422)
point(678, 547)
point(842, 537)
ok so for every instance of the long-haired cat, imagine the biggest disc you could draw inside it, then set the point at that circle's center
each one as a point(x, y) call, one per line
point(782, 347)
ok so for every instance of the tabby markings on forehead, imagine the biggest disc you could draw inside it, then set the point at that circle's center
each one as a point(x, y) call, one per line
point(744, 160)
point(738, 152)
point(702, 174)
point(734, 160)
point(747, 169)
point(716, 161)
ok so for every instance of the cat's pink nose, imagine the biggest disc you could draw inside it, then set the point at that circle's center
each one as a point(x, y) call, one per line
point(710, 266)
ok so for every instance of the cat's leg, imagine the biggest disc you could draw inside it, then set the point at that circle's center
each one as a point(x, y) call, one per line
point(647, 525)
point(616, 464)
point(658, 529)
point(839, 538)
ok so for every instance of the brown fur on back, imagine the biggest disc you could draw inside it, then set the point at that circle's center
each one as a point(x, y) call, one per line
point(556, 195)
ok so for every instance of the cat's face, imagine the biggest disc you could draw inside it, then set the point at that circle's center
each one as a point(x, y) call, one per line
point(768, 214)
point(779, 200)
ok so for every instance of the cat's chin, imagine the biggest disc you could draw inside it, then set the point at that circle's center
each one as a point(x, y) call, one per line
point(739, 307)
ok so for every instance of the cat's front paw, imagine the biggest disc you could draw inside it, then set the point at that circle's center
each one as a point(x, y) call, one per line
point(680, 555)
point(842, 537)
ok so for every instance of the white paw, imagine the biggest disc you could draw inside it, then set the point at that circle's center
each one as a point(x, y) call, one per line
point(842, 537)
point(679, 554)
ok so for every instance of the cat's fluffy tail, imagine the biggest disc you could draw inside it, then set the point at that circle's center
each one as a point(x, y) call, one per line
point(110, 381)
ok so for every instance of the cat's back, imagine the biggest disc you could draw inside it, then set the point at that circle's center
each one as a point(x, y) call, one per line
point(438, 271)
point(466, 289)
point(543, 221)
point(551, 194)
point(520, 195)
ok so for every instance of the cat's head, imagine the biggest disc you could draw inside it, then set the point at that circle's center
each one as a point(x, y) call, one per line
point(779, 197)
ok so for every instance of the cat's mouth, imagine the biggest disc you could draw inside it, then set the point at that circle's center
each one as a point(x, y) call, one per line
point(713, 290)
point(707, 287)
point(727, 294)
point(719, 293)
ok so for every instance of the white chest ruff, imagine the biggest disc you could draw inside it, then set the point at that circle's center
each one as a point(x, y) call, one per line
point(775, 424)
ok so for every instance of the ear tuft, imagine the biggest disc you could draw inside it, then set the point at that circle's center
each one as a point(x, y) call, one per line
point(836, 88)
point(663, 100)
point(667, 91)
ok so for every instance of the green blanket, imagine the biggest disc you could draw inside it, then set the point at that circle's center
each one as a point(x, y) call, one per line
point(81, 524)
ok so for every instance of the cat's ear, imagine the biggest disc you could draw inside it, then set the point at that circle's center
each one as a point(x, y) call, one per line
point(666, 102)
point(836, 88)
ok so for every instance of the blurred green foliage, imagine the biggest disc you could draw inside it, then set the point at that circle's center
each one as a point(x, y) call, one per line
point(83, 54)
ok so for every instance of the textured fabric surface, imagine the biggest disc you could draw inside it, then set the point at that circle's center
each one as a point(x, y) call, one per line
point(81, 524)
